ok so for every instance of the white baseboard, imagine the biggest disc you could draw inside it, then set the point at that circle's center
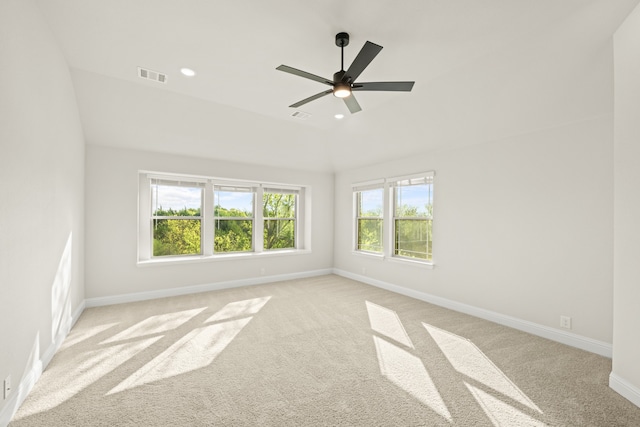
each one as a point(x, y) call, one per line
point(625, 389)
point(20, 394)
point(33, 375)
point(573, 340)
point(164, 293)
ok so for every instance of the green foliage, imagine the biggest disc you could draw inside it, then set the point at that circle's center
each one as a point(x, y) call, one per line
point(220, 212)
point(176, 237)
point(370, 235)
point(173, 212)
point(408, 211)
point(279, 233)
point(232, 235)
point(232, 232)
point(414, 238)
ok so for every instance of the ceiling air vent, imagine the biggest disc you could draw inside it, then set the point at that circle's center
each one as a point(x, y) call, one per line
point(301, 115)
point(152, 75)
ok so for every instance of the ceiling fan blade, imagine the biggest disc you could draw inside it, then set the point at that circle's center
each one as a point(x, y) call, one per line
point(364, 58)
point(385, 86)
point(352, 104)
point(311, 98)
point(304, 74)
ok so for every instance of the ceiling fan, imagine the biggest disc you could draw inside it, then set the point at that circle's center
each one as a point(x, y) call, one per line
point(343, 83)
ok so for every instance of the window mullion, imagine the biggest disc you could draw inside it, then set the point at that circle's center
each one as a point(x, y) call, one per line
point(207, 228)
point(258, 221)
point(388, 223)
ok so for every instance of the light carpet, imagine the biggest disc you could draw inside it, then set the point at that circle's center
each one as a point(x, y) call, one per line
point(317, 351)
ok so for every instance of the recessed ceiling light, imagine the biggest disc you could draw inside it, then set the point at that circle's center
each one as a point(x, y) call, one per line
point(187, 72)
point(339, 116)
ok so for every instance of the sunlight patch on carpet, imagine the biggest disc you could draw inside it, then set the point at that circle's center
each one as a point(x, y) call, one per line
point(500, 413)
point(468, 359)
point(198, 348)
point(195, 350)
point(83, 370)
point(155, 325)
point(386, 322)
point(239, 308)
point(77, 336)
point(408, 372)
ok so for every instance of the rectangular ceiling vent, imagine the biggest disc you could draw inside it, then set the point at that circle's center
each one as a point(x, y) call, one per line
point(301, 115)
point(156, 76)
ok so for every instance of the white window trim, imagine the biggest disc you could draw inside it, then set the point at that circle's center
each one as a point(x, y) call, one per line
point(281, 190)
point(145, 240)
point(371, 185)
point(387, 221)
point(230, 188)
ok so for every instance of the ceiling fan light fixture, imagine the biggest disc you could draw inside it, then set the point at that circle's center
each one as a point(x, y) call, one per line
point(341, 90)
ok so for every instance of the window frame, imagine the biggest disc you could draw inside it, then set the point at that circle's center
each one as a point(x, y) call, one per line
point(235, 189)
point(357, 192)
point(389, 219)
point(302, 231)
point(296, 194)
point(394, 184)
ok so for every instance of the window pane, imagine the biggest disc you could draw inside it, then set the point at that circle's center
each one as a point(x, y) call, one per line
point(370, 235)
point(170, 200)
point(279, 233)
point(414, 200)
point(233, 203)
point(370, 202)
point(232, 235)
point(413, 238)
point(276, 205)
point(176, 237)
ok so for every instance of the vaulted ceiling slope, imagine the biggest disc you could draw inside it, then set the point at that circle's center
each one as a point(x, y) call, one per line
point(484, 70)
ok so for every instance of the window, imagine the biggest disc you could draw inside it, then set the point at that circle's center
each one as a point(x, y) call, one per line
point(369, 218)
point(204, 218)
point(279, 211)
point(176, 217)
point(394, 217)
point(233, 213)
point(413, 218)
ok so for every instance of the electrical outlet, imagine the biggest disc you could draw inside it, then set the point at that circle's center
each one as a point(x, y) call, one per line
point(262, 271)
point(565, 322)
point(364, 271)
point(7, 387)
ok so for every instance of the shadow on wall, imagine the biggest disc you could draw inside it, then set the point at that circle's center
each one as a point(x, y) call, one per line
point(61, 318)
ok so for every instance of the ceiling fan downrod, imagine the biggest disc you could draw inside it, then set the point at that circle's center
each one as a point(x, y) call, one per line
point(342, 40)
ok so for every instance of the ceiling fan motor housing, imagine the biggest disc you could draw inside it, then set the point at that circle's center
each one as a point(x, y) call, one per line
point(339, 76)
point(342, 39)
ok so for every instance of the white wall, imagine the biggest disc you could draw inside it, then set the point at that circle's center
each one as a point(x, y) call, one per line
point(112, 217)
point(625, 377)
point(522, 227)
point(41, 197)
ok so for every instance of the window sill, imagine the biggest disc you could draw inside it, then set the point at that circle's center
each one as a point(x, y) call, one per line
point(177, 260)
point(369, 254)
point(397, 260)
point(409, 261)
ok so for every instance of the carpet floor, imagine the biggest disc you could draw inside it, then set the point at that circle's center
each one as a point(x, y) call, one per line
point(322, 351)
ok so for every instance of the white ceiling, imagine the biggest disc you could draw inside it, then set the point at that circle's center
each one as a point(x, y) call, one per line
point(484, 70)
